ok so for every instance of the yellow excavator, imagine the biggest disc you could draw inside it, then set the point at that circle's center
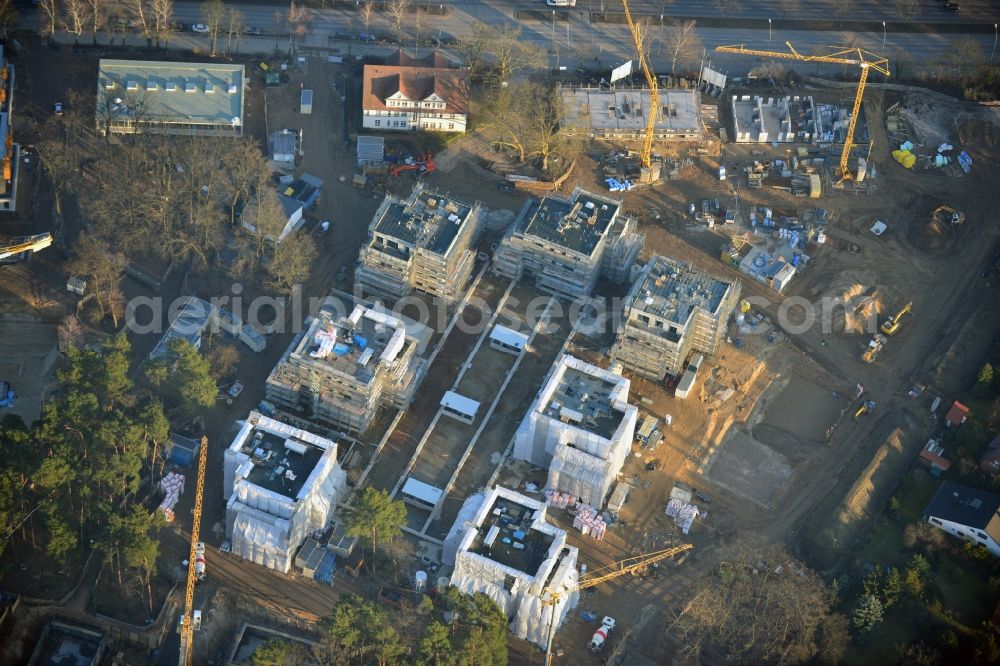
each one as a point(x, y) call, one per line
point(874, 347)
point(891, 325)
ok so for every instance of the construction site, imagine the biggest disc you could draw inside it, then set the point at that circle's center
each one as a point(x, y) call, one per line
point(619, 383)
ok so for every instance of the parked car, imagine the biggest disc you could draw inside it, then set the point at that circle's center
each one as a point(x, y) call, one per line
point(235, 390)
point(199, 27)
point(343, 36)
point(367, 37)
point(251, 30)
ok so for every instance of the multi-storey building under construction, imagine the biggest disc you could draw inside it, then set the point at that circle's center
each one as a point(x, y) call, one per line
point(341, 370)
point(563, 245)
point(423, 242)
point(672, 310)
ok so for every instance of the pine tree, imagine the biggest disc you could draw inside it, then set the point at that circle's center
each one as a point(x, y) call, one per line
point(867, 614)
point(892, 588)
point(986, 375)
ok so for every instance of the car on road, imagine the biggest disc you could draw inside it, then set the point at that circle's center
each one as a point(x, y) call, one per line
point(561, 3)
point(199, 27)
point(367, 37)
point(251, 30)
point(343, 36)
point(58, 108)
point(952, 7)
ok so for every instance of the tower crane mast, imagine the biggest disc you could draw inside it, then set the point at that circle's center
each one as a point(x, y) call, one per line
point(840, 56)
point(187, 628)
point(649, 172)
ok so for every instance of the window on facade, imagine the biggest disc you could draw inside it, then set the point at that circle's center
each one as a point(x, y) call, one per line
point(378, 122)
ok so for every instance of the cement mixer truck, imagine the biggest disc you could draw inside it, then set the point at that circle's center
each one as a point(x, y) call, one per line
point(199, 561)
point(601, 635)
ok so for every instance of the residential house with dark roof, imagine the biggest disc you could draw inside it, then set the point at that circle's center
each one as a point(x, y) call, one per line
point(966, 512)
point(409, 94)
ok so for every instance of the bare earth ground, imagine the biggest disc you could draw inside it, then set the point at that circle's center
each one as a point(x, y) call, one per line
point(839, 471)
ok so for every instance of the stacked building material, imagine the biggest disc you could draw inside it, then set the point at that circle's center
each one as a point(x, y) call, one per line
point(172, 486)
point(589, 522)
point(558, 499)
point(682, 513)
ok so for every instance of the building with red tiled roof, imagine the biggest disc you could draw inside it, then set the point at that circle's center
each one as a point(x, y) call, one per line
point(408, 94)
point(956, 415)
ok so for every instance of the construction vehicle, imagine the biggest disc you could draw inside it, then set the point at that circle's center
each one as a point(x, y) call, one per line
point(620, 568)
point(649, 171)
point(422, 163)
point(21, 248)
point(867, 407)
point(875, 345)
point(947, 215)
point(891, 325)
point(865, 60)
point(187, 624)
point(601, 635)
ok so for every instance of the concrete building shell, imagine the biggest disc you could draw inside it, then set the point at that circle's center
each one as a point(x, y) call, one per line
point(564, 244)
point(423, 242)
point(281, 484)
point(672, 310)
point(502, 546)
point(342, 370)
point(581, 427)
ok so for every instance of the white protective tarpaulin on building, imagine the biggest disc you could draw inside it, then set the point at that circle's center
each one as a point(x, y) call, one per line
point(584, 476)
point(458, 529)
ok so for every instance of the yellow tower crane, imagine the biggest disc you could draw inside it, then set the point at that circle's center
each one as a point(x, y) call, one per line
point(842, 56)
point(649, 173)
point(187, 627)
point(620, 568)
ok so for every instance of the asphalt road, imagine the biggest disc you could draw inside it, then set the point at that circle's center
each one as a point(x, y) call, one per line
point(575, 41)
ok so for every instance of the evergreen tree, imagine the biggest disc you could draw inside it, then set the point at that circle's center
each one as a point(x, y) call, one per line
point(867, 614)
point(892, 588)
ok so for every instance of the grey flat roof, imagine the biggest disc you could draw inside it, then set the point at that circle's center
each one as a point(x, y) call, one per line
point(672, 289)
point(427, 219)
point(576, 223)
point(588, 395)
point(270, 472)
point(625, 110)
point(167, 88)
point(514, 519)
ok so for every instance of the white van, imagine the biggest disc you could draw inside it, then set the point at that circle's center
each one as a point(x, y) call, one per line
point(561, 3)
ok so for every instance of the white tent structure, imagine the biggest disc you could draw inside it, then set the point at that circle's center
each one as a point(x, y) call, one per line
point(282, 484)
point(508, 552)
point(581, 427)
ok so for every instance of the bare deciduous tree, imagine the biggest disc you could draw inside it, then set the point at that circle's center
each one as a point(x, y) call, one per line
point(789, 7)
point(244, 171)
point(762, 606)
point(967, 56)
point(101, 266)
point(76, 18)
point(8, 16)
point(96, 17)
point(214, 13)
point(235, 29)
point(50, 17)
point(682, 44)
point(291, 262)
point(163, 11)
point(144, 14)
point(367, 10)
point(513, 54)
point(725, 7)
point(299, 18)
point(398, 10)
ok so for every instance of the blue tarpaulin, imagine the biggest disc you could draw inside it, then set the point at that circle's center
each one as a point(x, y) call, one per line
point(324, 572)
point(361, 341)
point(340, 349)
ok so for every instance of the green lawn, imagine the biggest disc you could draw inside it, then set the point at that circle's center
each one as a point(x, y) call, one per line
point(920, 491)
point(964, 591)
point(898, 627)
point(885, 546)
